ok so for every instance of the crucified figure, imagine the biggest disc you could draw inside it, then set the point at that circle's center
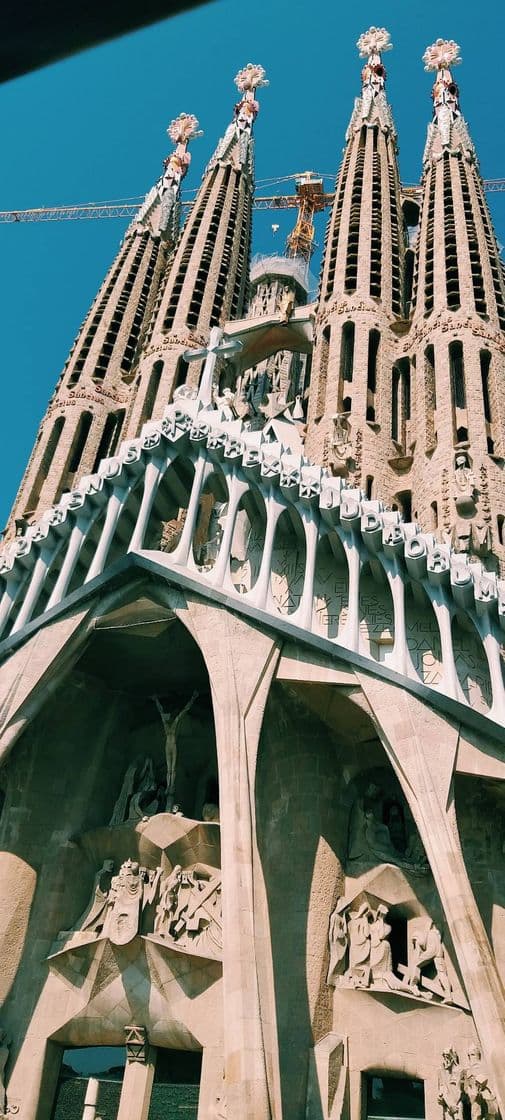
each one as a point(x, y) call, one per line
point(170, 726)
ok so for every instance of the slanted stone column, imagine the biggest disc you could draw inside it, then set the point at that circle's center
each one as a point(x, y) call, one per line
point(422, 747)
point(138, 1077)
point(241, 661)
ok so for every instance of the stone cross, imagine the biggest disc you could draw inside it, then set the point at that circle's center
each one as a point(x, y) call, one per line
point(219, 346)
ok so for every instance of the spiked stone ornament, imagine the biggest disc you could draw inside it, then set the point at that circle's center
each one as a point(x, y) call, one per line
point(442, 54)
point(373, 75)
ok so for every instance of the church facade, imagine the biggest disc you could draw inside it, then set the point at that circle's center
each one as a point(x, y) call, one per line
point(252, 690)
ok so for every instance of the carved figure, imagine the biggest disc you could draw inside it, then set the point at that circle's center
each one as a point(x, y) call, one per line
point(167, 906)
point(425, 948)
point(138, 797)
point(339, 942)
point(170, 727)
point(358, 928)
point(475, 1085)
point(94, 916)
point(450, 1085)
point(210, 812)
point(370, 836)
point(123, 904)
point(381, 957)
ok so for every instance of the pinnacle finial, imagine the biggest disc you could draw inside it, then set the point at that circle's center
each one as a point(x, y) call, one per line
point(442, 54)
point(181, 130)
point(374, 41)
point(250, 78)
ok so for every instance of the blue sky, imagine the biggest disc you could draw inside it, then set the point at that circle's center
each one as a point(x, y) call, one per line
point(93, 128)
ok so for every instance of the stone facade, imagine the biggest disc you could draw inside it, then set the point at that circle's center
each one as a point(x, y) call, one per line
point(251, 718)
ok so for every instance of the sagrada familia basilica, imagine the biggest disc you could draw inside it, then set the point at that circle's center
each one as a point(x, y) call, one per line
point(252, 692)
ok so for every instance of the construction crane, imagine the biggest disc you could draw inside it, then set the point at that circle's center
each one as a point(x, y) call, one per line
point(310, 198)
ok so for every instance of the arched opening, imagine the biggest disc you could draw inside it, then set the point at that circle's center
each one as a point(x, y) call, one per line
point(248, 540)
point(331, 587)
point(402, 501)
point(373, 350)
point(213, 508)
point(110, 437)
point(376, 626)
point(45, 465)
point(485, 365)
point(400, 402)
point(458, 392)
point(471, 663)
point(151, 395)
point(346, 359)
point(168, 514)
point(288, 562)
point(423, 635)
point(75, 454)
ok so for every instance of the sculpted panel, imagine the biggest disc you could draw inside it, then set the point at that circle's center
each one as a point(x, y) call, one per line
point(181, 909)
point(361, 951)
point(464, 1089)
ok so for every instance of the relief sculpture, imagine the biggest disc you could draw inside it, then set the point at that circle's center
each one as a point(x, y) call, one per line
point(361, 951)
point(464, 1089)
point(181, 909)
point(381, 830)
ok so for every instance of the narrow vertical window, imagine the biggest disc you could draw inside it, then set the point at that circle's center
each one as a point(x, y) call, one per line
point(373, 350)
point(458, 392)
point(485, 364)
point(430, 398)
point(400, 401)
point(323, 370)
point(151, 394)
point(76, 452)
point(347, 352)
point(45, 464)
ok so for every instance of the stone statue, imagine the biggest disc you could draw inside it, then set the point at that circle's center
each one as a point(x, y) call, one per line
point(450, 1087)
point(339, 942)
point(370, 838)
point(139, 795)
point(425, 948)
point(167, 906)
point(4, 1057)
point(358, 928)
point(381, 957)
point(210, 812)
point(170, 727)
point(93, 918)
point(480, 1096)
point(124, 904)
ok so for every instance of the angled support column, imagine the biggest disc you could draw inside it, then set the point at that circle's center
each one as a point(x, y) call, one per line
point(422, 746)
point(241, 661)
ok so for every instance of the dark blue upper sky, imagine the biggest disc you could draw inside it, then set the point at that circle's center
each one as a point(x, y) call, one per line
point(93, 128)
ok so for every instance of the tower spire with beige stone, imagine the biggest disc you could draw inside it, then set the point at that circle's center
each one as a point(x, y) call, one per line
point(207, 282)
point(457, 335)
point(85, 418)
point(361, 293)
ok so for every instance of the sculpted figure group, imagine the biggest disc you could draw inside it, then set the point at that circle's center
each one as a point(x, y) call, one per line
point(182, 908)
point(361, 955)
point(467, 1084)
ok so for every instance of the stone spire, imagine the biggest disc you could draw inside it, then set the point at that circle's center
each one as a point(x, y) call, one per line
point(457, 335)
point(85, 418)
point(361, 292)
point(207, 281)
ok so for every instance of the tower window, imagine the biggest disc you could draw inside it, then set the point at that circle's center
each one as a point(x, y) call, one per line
point(451, 251)
point(79, 441)
point(400, 401)
point(430, 398)
point(485, 365)
point(110, 436)
point(351, 268)
point(501, 528)
point(373, 349)
point(458, 392)
point(323, 371)
point(347, 352)
point(369, 486)
point(151, 394)
point(45, 464)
